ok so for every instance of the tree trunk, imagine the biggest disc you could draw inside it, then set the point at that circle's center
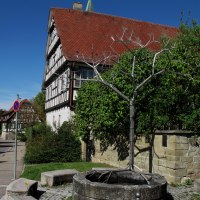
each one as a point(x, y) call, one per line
point(132, 134)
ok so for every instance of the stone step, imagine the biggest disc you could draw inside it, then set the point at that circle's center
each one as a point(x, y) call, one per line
point(21, 189)
point(57, 177)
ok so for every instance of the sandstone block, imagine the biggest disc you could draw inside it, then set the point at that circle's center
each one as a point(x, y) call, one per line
point(177, 152)
point(57, 177)
point(182, 146)
point(181, 140)
point(173, 158)
point(187, 159)
point(181, 172)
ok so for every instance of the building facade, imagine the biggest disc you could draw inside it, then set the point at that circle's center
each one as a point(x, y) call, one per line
point(77, 37)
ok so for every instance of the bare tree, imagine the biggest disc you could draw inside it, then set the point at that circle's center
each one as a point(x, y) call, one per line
point(132, 101)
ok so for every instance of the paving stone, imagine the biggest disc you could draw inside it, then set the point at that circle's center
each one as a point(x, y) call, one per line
point(64, 191)
point(56, 193)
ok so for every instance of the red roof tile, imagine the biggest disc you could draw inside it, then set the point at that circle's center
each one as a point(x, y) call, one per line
point(89, 33)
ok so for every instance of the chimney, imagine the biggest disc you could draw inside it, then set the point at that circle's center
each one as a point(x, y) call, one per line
point(77, 6)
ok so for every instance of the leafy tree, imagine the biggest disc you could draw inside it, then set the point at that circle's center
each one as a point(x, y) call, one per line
point(39, 105)
point(179, 87)
point(168, 100)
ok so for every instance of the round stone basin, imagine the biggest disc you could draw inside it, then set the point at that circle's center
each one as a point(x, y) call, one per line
point(123, 186)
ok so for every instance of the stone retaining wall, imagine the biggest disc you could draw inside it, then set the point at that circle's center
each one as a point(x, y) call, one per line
point(176, 154)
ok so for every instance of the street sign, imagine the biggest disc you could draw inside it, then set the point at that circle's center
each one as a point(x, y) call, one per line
point(16, 106)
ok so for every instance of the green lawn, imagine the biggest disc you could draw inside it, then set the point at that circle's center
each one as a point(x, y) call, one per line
point(34, 171)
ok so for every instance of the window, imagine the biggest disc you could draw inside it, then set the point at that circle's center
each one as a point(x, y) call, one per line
point(81, 76)
point(58, 84)
point(67, 78)
point(77, 79)
point(63, 83)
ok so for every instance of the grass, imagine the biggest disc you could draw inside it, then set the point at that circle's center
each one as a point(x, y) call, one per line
point(34, 171)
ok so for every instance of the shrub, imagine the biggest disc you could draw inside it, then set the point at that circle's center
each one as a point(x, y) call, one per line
point(46, 146)
point(40, 149)
point(69, 145)
point(38, 129)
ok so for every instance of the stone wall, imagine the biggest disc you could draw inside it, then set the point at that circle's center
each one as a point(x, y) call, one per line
point(176, 154)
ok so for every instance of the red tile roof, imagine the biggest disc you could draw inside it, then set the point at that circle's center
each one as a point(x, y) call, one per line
point(89, 33)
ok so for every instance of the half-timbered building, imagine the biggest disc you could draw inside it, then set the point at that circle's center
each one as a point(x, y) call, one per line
point(75, 35)
point(26, 117)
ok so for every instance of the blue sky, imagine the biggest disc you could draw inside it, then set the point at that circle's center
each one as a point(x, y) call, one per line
point(23, 35)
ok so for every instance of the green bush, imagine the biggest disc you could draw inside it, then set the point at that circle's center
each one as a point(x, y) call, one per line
point(47, 146)
point(69, 145)
point(38, 129)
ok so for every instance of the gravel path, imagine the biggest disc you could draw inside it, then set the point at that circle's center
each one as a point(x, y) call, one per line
point(64, 191)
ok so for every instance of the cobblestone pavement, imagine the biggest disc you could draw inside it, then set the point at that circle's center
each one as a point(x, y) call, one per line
point(56, 193)
point(63, 192)
point(182, 192)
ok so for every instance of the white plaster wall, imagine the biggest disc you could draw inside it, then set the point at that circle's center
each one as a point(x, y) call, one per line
point(59, 116)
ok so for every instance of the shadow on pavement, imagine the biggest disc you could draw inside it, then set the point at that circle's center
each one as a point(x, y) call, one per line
point(169, 197)
point(38, 194)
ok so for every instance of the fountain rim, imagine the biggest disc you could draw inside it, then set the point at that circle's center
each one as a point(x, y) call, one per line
point(81, 177)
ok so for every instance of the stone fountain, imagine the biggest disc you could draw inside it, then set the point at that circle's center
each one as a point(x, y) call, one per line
point(118, 185)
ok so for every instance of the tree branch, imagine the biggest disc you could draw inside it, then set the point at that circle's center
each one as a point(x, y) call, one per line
point(111, 86)
point(133, 68)
point(147, 79)
point(155, 57)
point(115, 89)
